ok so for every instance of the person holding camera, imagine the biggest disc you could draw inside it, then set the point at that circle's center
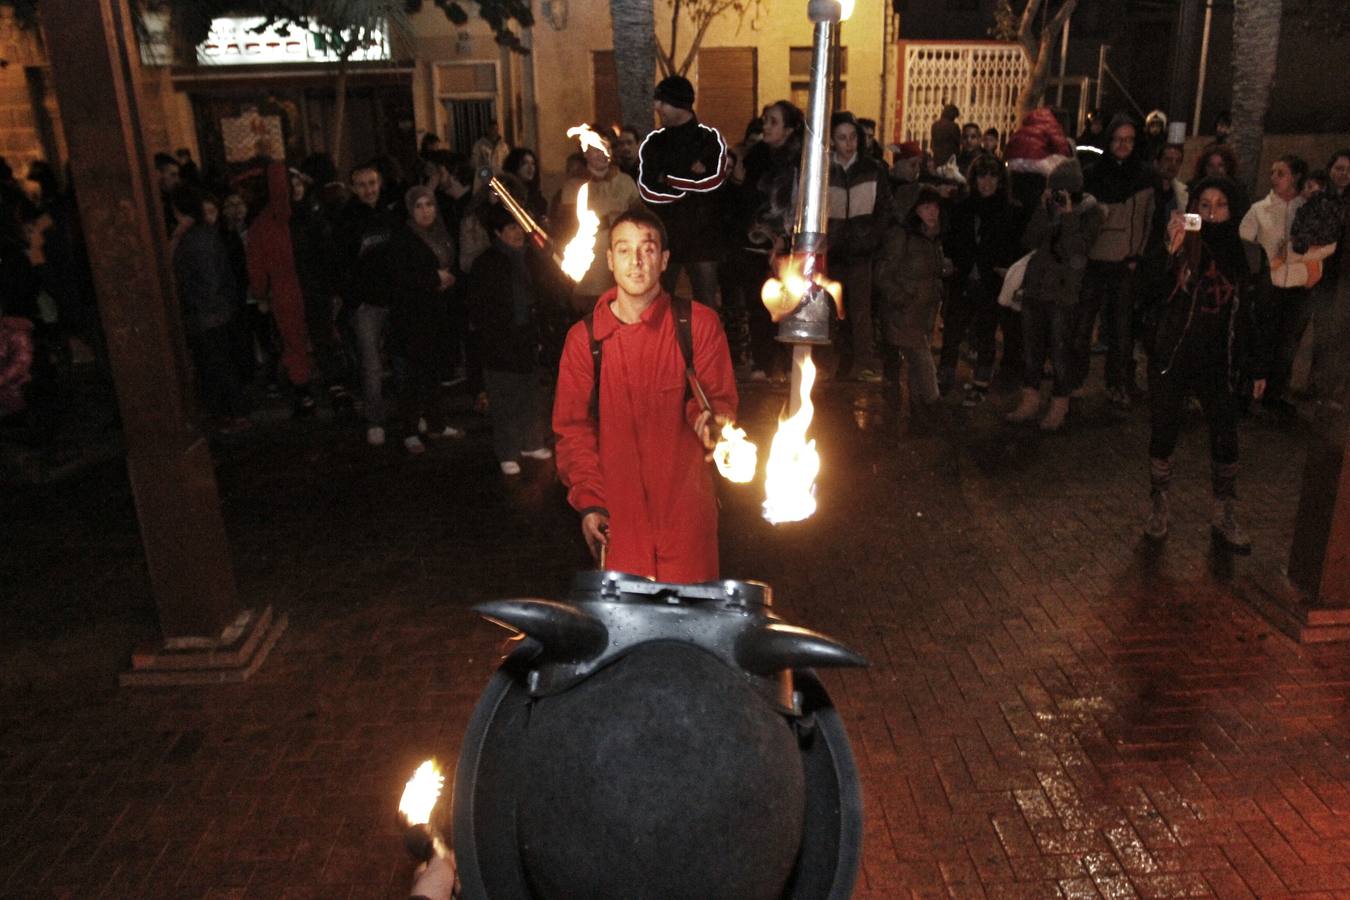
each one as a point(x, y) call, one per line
point(1206, 345)
point(1062, 228)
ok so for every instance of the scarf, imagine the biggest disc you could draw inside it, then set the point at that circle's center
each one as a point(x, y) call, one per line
point(437, 238)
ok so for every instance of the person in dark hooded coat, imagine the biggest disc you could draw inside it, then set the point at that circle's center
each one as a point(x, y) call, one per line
point(1123, 183)
point(1206, 344)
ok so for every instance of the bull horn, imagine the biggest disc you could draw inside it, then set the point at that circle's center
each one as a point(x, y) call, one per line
point(565, 632)
point(776, 646)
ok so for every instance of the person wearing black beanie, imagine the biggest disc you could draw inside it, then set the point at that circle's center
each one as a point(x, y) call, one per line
point(681, 166)
point(1205, 344)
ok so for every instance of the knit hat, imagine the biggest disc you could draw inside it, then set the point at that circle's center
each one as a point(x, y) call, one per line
point(907, 150)
point(677, 91)
point(1067, 176)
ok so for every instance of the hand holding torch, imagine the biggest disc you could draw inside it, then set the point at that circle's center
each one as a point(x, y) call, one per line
point(533, 230)
point(436, 878)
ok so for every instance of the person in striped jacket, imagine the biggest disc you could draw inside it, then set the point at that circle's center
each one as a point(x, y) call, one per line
point(681, 165)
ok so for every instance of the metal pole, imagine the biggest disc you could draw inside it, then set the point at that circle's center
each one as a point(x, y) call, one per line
point(810, 322)
point(1063, 61)
point(1204, 64)
point(815, 170)
point(1101, 75)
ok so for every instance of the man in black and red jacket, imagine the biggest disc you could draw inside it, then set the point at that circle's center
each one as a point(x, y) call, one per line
point(680, 167)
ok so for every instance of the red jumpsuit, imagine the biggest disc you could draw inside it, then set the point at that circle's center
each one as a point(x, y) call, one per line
point(644, 464)
point(272, 274)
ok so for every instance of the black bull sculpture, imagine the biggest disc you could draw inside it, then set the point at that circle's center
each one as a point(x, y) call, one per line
point(660, 741)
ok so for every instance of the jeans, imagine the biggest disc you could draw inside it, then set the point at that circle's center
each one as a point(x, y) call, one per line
point(1108, 288)
point(1281, 316)
point(702, 280)
point(1209, 384)
point(320, 321)
point(1047, 328)
point(909, 329)
point(973, 314)
point(856, 278)
point(215, 355)
point(516, 409)
point(370, 323)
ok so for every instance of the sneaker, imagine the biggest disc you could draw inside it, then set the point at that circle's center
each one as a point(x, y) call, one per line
point(541, 453)
point(414, 445)
point(1155, 529)
point(510, 467)
point(450, 431)
point(375, 436)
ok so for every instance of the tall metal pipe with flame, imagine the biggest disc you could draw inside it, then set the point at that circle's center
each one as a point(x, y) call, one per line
point(809, 323)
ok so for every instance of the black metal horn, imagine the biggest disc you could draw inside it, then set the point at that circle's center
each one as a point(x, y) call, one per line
point(777, 646)
point(565, 632)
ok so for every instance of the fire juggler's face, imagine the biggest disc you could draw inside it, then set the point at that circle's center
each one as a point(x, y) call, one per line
point(636, 258)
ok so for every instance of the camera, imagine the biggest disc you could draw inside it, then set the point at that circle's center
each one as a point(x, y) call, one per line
point(1192, 222)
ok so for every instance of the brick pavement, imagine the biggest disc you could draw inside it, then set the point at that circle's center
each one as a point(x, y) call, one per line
point(1054, 709)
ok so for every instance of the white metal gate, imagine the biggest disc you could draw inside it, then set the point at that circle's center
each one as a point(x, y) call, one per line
point(982, 78)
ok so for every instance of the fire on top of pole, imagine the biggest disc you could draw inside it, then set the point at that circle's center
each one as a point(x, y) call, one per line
point(800, 297)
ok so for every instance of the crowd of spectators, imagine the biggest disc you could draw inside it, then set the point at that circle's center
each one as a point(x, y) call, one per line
point(1022, 253)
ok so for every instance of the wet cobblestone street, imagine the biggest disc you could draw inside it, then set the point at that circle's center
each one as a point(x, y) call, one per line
point(1054, 708)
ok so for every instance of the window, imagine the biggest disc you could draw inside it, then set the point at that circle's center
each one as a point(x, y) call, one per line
point(467, 101)
point(799, 70)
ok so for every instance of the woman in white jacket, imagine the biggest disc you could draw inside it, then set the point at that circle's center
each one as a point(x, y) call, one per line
point(1284, 309)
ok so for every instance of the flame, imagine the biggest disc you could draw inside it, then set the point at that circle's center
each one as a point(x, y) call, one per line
point(790, 474)
point(588, 139)
point(783, 294)
point(580, 251)
point(421, 793)
point(736, 457)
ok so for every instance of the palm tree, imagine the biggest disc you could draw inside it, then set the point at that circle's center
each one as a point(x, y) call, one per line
point(635, 59)
point(1256, 42)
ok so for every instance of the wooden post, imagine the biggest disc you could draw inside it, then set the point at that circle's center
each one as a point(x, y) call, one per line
point(207, 636)
point(1310, 599)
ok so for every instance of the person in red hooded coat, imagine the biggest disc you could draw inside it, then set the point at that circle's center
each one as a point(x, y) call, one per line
point(638, 473)
point(272, 277)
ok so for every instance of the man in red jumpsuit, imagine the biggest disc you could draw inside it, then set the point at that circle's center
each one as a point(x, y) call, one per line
point(639, 475)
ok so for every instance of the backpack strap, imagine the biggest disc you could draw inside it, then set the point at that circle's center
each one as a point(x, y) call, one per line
point(596, 353)
point(682, 309)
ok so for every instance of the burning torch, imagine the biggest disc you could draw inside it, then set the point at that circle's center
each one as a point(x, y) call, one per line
point(800, 298)
point(436, 879)
point(735, 456)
